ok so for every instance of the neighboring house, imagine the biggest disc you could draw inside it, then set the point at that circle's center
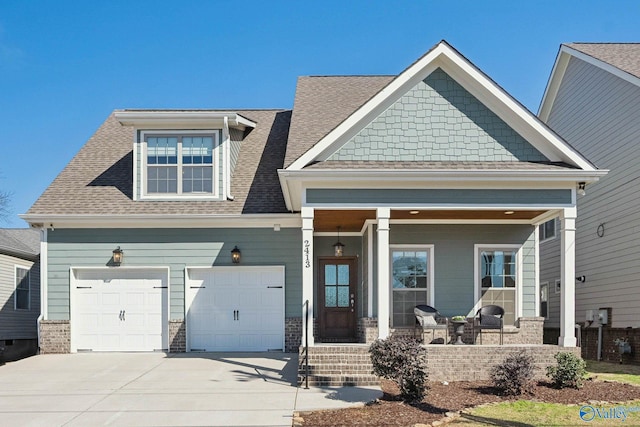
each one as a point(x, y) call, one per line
point(593, 101)
point(19, 292)
point(433, 182)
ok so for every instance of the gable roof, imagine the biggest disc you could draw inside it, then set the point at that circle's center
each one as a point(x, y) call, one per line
point(620, 59)
point(99, 179)
point(474, 81)
point(20, 242)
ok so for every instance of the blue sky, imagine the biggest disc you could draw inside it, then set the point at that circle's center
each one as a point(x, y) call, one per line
point(65, 65)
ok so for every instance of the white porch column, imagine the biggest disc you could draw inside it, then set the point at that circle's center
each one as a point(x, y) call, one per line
point(383, 215)
point(307, 272)
point(568, 278)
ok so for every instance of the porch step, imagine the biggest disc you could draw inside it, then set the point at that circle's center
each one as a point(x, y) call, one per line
point(339, 365)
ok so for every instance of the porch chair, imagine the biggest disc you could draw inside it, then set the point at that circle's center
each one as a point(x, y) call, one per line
point(488, 317)
point(427, 318)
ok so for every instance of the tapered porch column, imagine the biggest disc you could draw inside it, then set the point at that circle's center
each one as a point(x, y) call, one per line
point(567, 278)
point(383, 215)
point(307, 273)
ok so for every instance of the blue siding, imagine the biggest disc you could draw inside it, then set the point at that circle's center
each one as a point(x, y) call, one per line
point(440, 196)
point(174, 248)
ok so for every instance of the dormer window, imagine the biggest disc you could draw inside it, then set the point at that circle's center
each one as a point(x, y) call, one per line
point(180, 163)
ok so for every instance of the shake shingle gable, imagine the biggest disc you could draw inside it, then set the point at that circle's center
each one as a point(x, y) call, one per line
point(99, 179)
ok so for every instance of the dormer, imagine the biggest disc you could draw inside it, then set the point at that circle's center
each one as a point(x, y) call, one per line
point(184, 155)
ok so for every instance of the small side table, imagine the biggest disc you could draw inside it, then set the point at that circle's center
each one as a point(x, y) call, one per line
point(458, 328)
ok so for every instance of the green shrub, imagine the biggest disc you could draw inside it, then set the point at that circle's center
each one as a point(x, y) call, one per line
point(514, 375)
point(403, 360)
point(569, 371)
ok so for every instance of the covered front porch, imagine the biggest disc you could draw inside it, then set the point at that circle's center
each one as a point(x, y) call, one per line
point(392, 259)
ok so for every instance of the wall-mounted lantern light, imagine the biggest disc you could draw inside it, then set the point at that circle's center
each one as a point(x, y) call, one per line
point(338, 247)
point(581, 191)
point(235, 255)
point(118, 256)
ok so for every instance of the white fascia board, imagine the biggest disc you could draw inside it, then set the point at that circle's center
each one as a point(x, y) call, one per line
point(553, 85)
point(164, 221)
point(473, 80)
point(558, 74)
point(197, 119)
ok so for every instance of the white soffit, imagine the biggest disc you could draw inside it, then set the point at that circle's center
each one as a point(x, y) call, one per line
point(475, 82)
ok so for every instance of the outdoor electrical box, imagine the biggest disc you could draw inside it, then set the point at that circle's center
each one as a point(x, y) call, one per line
point(603, 319)
point(589, 316)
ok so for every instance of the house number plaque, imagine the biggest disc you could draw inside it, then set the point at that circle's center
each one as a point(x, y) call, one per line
point(305, 251)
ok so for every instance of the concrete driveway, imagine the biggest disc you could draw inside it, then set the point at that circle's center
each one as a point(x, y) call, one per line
point(158, 389)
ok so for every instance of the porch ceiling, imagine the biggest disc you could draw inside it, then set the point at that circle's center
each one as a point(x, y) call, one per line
point(353, 220)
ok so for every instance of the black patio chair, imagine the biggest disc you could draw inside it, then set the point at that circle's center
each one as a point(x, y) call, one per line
point(489, 317)
point(427, 318)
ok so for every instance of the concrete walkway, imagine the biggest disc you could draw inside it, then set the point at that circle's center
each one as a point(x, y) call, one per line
point(157, 389)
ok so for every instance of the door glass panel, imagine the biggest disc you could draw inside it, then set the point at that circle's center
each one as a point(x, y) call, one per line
point(329, 275)
point(343, 296)
point(343, 274)
point(330, 297)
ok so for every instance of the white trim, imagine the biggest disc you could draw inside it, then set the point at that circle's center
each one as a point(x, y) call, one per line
point(165, 221)
point(175, 119)
point(137, 186)
point(44, 276)
point(226, 161)
point(308, 275)
point(474, 81)
point(382, 216)
point(369, 227)
point(560, 68)
point(73, 298)
point(15, 286)
point(430, 290)
point(189, 294)
point(476, 273)
point(215, 166)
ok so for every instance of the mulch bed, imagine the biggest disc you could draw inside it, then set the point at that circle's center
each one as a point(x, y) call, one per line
point(456, 396)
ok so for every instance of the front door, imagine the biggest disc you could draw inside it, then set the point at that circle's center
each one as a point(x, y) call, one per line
point(337, 299)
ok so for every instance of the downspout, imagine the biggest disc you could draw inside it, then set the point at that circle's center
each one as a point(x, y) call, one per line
point(43, 281)
point(226, 141)
point(599, 341)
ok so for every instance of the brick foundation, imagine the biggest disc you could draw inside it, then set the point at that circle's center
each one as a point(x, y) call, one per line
point(367, 330)
point(292, 334)
point(610, 352)
point(55, 336)
point(177, 336)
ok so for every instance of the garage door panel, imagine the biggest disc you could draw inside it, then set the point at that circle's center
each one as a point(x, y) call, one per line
point(119, 310)
point(237, 307)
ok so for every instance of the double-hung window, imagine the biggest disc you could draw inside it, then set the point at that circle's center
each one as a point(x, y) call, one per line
point(22, 294)
point(498, 276)
point(411, 271)
point(547, 230)
point(180, 164)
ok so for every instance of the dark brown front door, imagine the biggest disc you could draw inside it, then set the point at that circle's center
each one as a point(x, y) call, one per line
point(337, 299)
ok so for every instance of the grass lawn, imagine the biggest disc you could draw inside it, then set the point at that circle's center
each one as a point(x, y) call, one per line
point(526, 413)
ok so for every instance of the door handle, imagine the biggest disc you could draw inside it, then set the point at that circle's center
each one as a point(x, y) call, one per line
point(353, 302)
point(238, 315)
point(120, 315)
point(235, 314)
point(123, 319)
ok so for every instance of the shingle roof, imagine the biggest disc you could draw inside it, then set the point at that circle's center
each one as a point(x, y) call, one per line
point(322, 103)
point(99, 179)
point(417, 165)
point(23, 242)
point(625, 56)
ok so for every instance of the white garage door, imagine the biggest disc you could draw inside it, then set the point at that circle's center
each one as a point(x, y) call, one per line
point(119, 310)
point(235, 309)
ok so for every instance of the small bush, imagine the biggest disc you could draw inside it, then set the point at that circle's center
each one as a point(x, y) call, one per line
point(513, 376)
point(569, 371)
point(403, 360)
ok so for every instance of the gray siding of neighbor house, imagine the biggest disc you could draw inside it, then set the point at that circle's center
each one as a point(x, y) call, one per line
point(454, 254)
point(438, 120)
point(440, 196)
point(599, 114)
point(18, 324)
point(174, 248)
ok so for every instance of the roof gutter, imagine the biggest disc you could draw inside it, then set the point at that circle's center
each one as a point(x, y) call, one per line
point(202, 118)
